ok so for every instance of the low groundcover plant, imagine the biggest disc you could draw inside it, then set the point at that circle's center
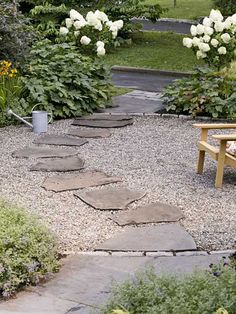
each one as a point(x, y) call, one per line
point(28, 251)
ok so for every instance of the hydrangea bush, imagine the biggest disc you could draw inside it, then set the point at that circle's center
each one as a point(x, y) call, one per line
point(93, 33)
point(214, 40)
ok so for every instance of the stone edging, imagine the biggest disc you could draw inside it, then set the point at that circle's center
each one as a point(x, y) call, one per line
point(148, 71)
point(149, 254)
point(190, 22)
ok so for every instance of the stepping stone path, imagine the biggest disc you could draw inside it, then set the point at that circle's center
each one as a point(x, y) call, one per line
point(156, 212)
point(80, 181)
point(110, 199)
point(102, 123)
point(168, 237)
point(40, 152)
point(89, 133)
point(60, 140)
point(60, 165)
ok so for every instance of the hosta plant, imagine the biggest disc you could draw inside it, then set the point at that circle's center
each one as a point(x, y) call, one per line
point(214, 40)
point(91, 33)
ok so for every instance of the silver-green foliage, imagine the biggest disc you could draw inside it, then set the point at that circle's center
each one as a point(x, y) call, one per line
point(28, 251)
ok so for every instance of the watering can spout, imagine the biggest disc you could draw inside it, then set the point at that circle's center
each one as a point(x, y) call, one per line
point(10, 112)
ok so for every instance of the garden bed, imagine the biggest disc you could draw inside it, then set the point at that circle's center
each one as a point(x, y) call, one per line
point(157, 155)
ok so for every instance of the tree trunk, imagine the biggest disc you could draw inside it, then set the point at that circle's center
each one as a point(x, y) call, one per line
point(175, 3)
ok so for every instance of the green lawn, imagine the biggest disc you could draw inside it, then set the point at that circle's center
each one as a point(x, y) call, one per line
point(157, 50)
point(185, 9)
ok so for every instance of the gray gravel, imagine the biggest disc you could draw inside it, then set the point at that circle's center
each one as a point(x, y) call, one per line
point(157, 155)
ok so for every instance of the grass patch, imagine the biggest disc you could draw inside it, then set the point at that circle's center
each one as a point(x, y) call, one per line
point(185, 9)
point(118, 91)
point(28, 252)
point(156, 50)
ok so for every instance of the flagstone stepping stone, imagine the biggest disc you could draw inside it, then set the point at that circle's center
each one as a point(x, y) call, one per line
point(168, 237)
point(106, 117)
point(110, 199)
point(89, 133)
point(60, 164)
point(60, 140)
point(156, 212)
point(41, 152)
point(102, 123)
point(80, 181)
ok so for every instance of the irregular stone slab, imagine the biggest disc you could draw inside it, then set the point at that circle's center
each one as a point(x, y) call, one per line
point(106, 117)
point(60, 140)
point(80, 181)
point(169, 237)
point(156, 212)
point(102, 123)
point(62, 164)
point(41, 152)
point(89, 133)
point(110, 199)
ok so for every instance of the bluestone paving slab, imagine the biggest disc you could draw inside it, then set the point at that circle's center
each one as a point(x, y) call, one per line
point(88, 280)
point(60, 165)
point(167, 237)
point(61, 140)
point(154, 212)
point(102, 123)
point(106, 117)
point(42, 152)
point(110, 199)
point(78, 181)
point(89, 133)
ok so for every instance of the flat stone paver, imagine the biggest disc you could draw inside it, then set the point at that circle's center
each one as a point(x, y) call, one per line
point(60, 140)
point(168, 237)
point(78, 181)
point(89, 133)
point(106, 117)
point(60, 165)
point(110, 199)
point(102, 123)
point(155, 212)
point(41, 152)
point(87, 280)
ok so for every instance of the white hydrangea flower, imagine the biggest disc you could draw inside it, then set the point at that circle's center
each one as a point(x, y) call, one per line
point(196, 41)
point(76, 33)
point(214, 42)
point(64, 30)
point(226, 38)
point(233, 19)
point(114, 34)
point(204, 47)
point(219, 26)
point(206, 38)
point(188, 42)
point(200, 54)
point(207, 22)
point(222, 51)
point(228, 22)
point(193, 30)
point(101, 16)
point(100, 44)
point(80, 24)
point(216, 16)
point(101, 51)
point(98, 26)
point(208, 30)
point(119, 24)
point(85, 40)
point(200, 29)
point(92, 19)
point(75, 15)
point(69, 22)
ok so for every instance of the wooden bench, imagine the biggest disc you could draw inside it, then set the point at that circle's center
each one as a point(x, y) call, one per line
point(217, 153)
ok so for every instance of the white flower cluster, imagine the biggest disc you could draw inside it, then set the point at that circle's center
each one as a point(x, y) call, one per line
point(98, 20)
point(214, 33)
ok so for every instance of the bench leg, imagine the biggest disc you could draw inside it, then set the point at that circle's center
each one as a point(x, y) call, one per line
point(220, 165)
point(201, 159)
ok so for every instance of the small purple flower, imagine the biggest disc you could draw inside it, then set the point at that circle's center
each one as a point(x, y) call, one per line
point(216, 273)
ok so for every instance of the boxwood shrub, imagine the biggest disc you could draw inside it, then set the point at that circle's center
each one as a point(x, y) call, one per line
point(28, 251)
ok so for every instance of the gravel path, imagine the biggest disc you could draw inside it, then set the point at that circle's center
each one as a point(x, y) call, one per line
point(155, 154)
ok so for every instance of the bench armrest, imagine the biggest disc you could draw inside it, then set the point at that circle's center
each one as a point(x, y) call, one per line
point(215, 126)
point(225, 137)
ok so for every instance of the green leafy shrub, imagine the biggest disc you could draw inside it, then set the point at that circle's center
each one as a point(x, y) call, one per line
point(227, 7)
point(205, 292)
point(28, 252)
point(202, 94)
point(65, 82)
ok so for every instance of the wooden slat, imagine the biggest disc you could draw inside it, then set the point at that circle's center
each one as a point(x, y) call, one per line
point(225, 137)
point(230, 160)
point(213, 151)
point(215, 125)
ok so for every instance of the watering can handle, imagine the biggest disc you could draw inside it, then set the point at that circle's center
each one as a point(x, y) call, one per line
point(50, 114)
